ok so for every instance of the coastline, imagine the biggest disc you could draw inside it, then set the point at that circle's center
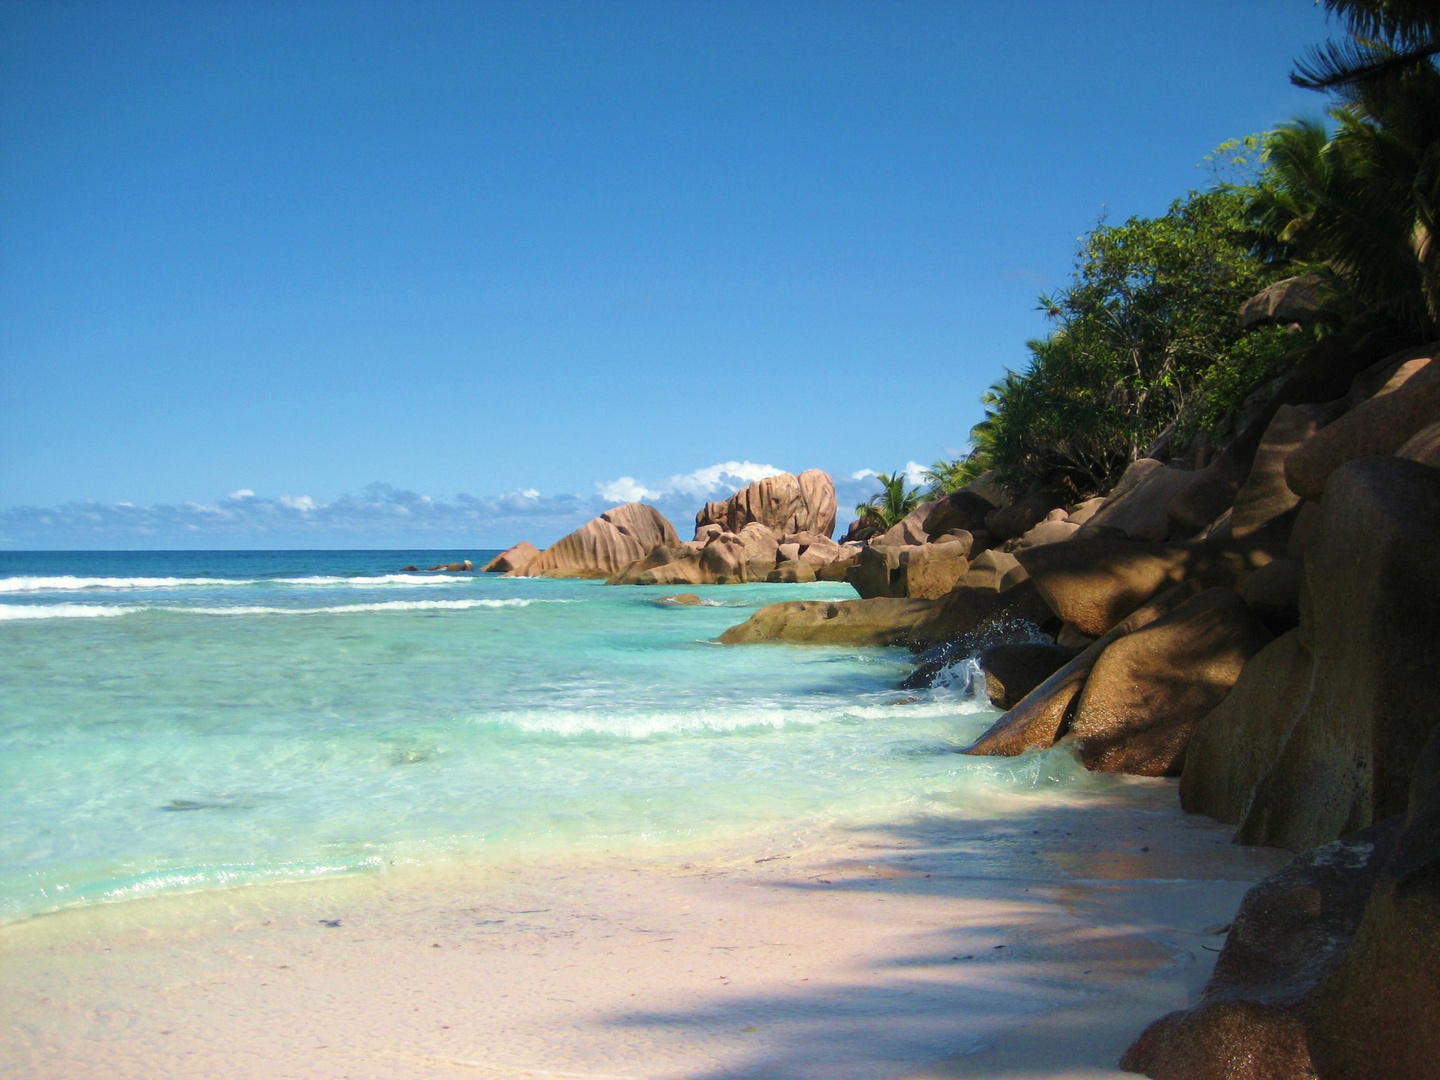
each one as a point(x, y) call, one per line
point(832, 953)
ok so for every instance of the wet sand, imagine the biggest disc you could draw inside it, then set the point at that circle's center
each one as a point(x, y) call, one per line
point(1037, 944)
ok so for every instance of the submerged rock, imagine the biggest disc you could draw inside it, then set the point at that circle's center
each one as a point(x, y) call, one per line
point(879, 621)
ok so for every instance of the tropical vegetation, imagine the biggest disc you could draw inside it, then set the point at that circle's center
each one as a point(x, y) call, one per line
point(890, 505)
point(1146, 340)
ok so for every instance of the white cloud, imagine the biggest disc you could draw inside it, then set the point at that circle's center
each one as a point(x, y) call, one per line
point(528, 493)
point(243, 493)
point(625, 490)
point(863, 474)
point(303, 503)
point(915, 473)
point(726, 476)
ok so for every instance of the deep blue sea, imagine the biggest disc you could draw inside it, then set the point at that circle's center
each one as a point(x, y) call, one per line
point(193, 720)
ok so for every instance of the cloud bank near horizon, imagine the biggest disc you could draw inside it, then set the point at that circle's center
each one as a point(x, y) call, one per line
point(381, 516)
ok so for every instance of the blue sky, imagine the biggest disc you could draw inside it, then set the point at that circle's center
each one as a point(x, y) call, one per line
point(451, 273)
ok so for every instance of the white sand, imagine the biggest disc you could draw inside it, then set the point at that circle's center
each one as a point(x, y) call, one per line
point(1034, 946)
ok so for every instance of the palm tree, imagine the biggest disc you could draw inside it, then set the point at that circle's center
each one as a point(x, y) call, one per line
point(890, 505)
point(1366, 200)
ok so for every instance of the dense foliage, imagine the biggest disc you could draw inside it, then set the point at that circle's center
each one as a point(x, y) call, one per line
point(1147, 336)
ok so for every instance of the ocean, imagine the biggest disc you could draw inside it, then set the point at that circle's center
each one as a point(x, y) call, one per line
point(180, 721)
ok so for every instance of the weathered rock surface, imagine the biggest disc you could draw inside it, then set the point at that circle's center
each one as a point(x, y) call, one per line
point(1238, 741)
point(1409, 402)
point(784, 503)
point(933, 570)
point(1370, 617)
point(515, 558)
point(1150, 689)
point(1046, 532)
point(998, 570)
point(1021, 516)
point(761, 550)
point(1265, 497)
point(879, 571)
point(1299, 299)
point(1012, 670)
point(965, 510)
point(1332, 967)
point(879, 621)
point(1423, 446)
point(1043, 715)
point(604, 545)
point(1287, 939)
point(966, 615)
point(1139, 504)
point(1273, 593)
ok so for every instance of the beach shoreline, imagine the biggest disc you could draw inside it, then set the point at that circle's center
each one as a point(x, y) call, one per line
point(1035, 944)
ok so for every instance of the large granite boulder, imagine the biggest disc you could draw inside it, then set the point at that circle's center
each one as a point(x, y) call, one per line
point(515, 558)
point(1273, 593)
point(1407, 403)
point(784, 503)
point(1050, 531)
point(1237, 743)
point(1265, 498)
point(1020, 516)
point(879, 571)
point(1139, 504)
point(1423, 446)
point(879, 621)
point(965, 510)
point(1286, 942)
point(604, 545)
point(677, 564)
point(1013, 669)
point(1332, 965)
point(998, 570)
point(965, 615)
point(1150, 689)
point(932, 570)
point(1370, 618)
point(1094, 583)
point(761, 550)
point(1043, 715)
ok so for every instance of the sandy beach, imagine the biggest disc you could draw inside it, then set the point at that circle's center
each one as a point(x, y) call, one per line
point(1036, 944)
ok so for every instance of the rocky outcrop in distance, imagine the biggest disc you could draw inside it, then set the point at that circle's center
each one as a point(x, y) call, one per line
point(604, 545)
point(785, 504)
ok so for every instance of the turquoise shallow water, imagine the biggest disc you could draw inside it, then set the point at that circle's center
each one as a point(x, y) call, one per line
point(182, 720)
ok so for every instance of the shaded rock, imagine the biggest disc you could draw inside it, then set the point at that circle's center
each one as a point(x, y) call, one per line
point(1020, 516)
point(1083, 512)
point(967, 614)
point(879, 621)
point(785, 503)
point(1043, 715)
point(860, 529)
point(962, 537)
point(879, 571)
point(1288, 937)
point(1072, 638)
point(988, 488)
point(932, 570)
point(1149, 689)
point(1049, 531)
point(454, 567)
point(1238, 741)
point(964, 510)
point(1013, 670)
point(1139, 504)
point(998, 570)
point(1265, 497)
point(515, 558)
point(1370, 617)
point(605, 545)
point(1299, 299)
point(1094, 583)
point(723, 560)
point(408, 569)
point(1302, 530)
point(1273, 593)
point(1379, 1012)
point(1379, 426)
point(846, 557)
point(1423, 446)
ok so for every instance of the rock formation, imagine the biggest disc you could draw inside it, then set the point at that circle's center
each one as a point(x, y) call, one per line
point(784, 503)
point(512, 559)
point(603, 545)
